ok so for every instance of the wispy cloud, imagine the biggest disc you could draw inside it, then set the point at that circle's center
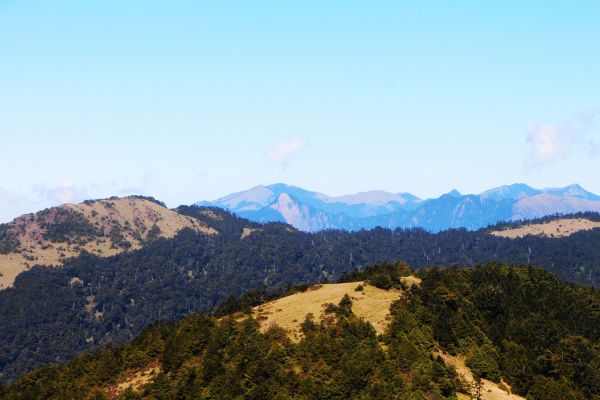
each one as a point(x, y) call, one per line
point(284, 151)
point(16, 202)
point(64, 192)
point(550, 142)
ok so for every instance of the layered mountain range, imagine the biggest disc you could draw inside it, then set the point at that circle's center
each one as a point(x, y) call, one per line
point(80, 276)
point(312, 211)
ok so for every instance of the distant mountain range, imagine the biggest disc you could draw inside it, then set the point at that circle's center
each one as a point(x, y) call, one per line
point(312, 211)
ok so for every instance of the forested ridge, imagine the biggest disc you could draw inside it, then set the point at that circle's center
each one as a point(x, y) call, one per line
point(516, 324)
point(51, 315)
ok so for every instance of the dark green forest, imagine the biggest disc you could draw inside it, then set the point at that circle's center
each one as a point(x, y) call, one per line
point(520, 324)
point(49, 317)
point(8, 243)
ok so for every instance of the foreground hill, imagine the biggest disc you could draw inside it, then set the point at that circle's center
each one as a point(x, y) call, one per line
point(53, 314)
point(517, 330)
point(100, 227)
point(368, 302)
point(311, 211)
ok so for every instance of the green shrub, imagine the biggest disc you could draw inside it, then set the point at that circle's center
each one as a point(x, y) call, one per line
point(482, 362)
point(8, 241)
point(382, 281)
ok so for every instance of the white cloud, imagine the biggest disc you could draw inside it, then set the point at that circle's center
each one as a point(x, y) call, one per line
point(284, 151)
point(552, 142)
point(548, 143)
point(13, 204)
point(64, 192)
point(17, 202)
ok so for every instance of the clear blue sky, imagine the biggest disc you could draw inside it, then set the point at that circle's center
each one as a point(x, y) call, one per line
point(193, 100)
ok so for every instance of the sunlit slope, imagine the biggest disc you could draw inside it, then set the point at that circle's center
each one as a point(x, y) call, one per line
point(370, 303)
point(103, 228)
point(557, 228)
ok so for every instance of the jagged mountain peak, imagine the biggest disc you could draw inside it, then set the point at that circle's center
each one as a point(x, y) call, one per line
point(453, 193)
point(514, 191)
point(574, 190)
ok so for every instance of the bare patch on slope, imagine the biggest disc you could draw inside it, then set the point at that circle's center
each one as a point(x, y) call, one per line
point(134, 380)
point(372, 304)
point(247, 232)
point(558, 228)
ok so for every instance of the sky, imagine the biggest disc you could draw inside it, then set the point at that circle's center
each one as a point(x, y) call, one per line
point(192, 100)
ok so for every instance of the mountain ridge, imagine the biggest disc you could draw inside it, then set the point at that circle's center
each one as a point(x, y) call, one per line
point(313, 211)
point(102, 227)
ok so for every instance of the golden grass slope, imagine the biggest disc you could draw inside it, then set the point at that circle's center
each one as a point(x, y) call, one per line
point(372, 304)
point(558, 228)
point(133, 216)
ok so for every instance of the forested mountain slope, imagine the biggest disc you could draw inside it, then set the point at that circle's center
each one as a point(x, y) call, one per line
point(101, 227)
point(52, 314)
point(519, 327)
